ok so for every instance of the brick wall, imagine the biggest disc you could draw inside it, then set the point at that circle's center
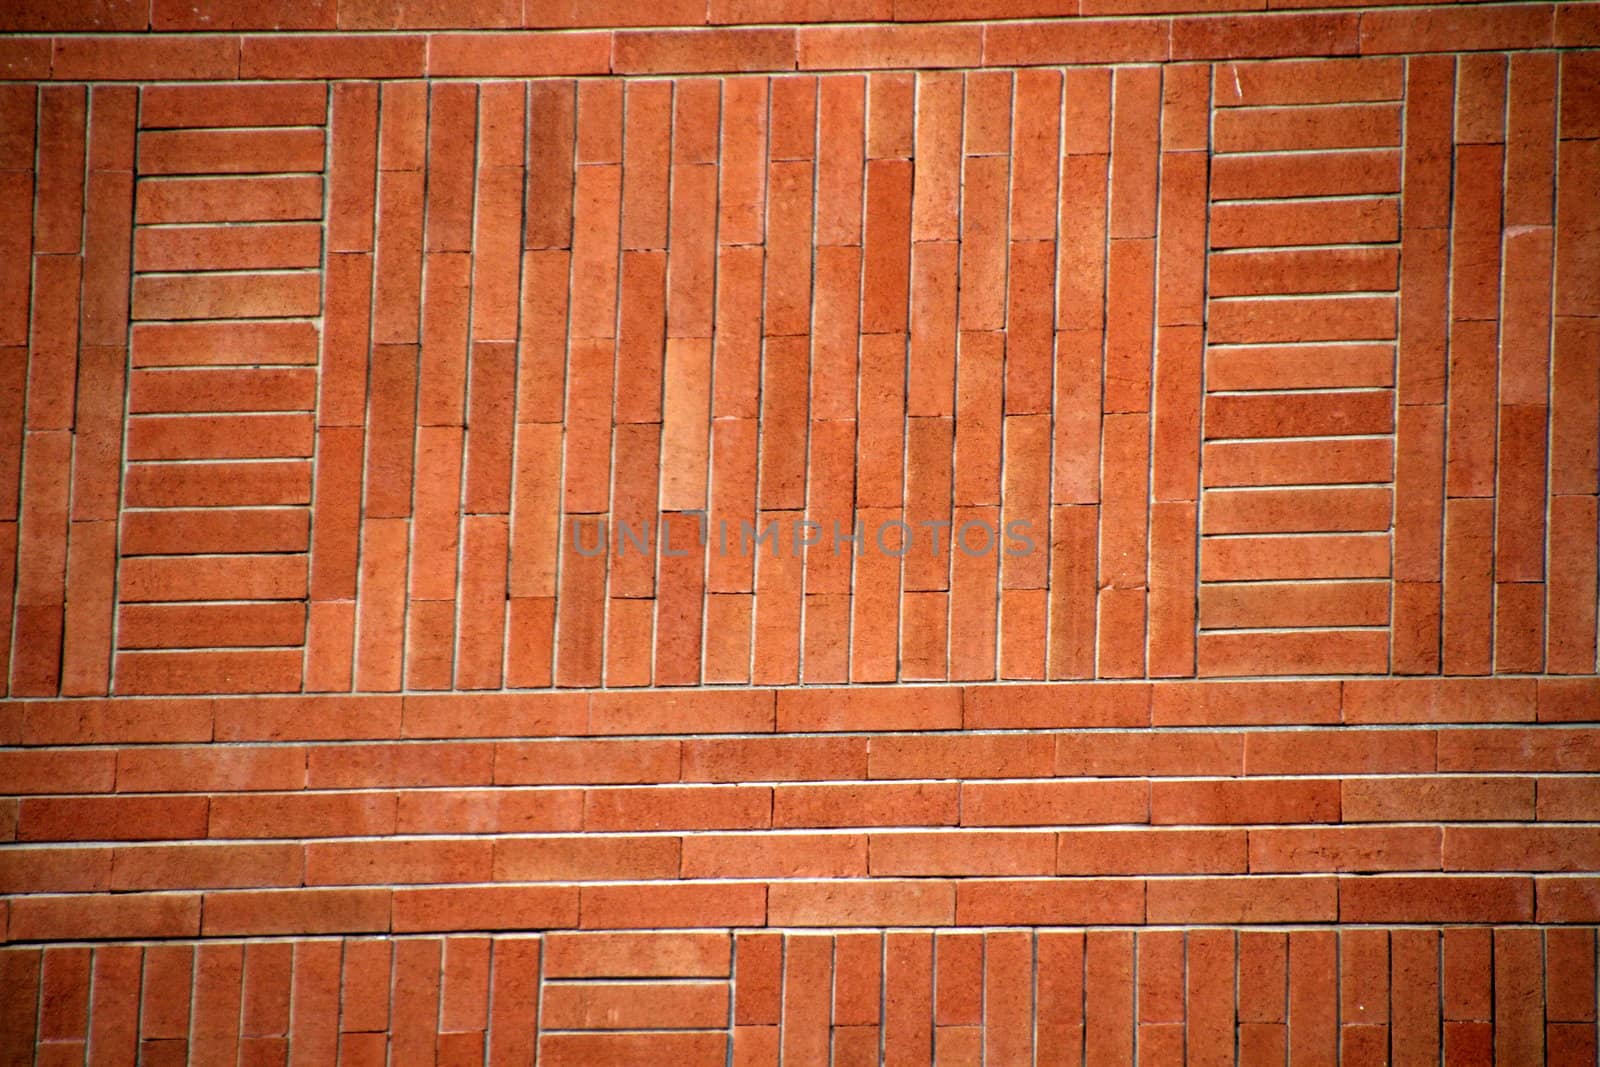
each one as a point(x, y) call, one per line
point(350, 350)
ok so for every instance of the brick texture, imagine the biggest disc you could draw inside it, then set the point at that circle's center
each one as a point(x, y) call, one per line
point(759, 531)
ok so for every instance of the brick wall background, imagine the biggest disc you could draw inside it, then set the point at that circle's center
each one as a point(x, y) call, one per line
point(332, 332)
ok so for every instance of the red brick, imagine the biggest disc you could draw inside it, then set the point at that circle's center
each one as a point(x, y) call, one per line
point(628, 955)
point(1242, 900)
point(344, 56)
point(702, 51)
point(861, 903)
point(620, 907)
point(1437, 799)
point(271, 911)
point(124, 916)
point(1009, 902)
point(1437, 898)
point(1345, 848)
point(875, 804)
point(1256, 801)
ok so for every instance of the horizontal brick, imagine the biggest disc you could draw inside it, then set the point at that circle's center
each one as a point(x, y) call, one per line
point(168, 344)
point(1345, 848)
point(1349, 318)
point(523, 907)
point(1147, 753)
point(123, 916)
point(210, 625)
point(1291, 128)
point(682, 904)
point(1245, 558)
point(1434, 899)
point(1568, 899)
point(895, 47)
point(154, 58)
point(1477, 28)
point(1013, 902)
point(707, 807)
point(455, 811)
point(1298, 462)
point(1291, 34)
point(885, 902)
point(406, 765)
point(1567, 699)
point(512, 55)
point(59, 771)
point(231, 671)
point(1521, 848)
point(1300, 414)
point(1292, 652)
point(866, 804)
point(963, 853)
point(215, 530)
point(586, 762)
point(690, 1048)
point(1568, 799)
point(200, 391)
point(1242, 900)
point(291, 815)
point(1075, 41)
point(265, 483)
point(199, 769)
point(1315, 270)
point(1053, 803)
point(226, 296)
point(168, 200)
point(111, 722)
point(494, 714)
point(299, 911)
point(909, 708)
point(1297, 511)
point(634, 1005)
point(777, 759)
point(966, 756)
point(272, 246)
point(111, 818)
point(1440, 700)
point(1241, 703)
point(676, 712)
point(638, 955)
point(55, 870)
point(220, 866)
point(220, 437)
point(1277, 224)
point(213, 578)
point(1308, 81)
point(230, 151)
point(1340, 751)
point(1363, 172)
point(1443, 799)
point(702, 51)
point(774, 855)
point(1050, 706)
point(1300, 367)
point(342, 56)
point(1244, 802)
point(398, 861)
point(1531, 749)
point(1151, 851)
point(183, 106)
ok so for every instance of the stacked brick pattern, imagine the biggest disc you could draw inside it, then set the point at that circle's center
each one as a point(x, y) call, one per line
point(327, 357)
point(226, 294)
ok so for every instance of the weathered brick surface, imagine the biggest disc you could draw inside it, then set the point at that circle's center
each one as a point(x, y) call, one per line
point(392, 395)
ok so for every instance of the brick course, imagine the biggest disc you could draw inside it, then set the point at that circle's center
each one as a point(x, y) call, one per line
point(335, 336)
